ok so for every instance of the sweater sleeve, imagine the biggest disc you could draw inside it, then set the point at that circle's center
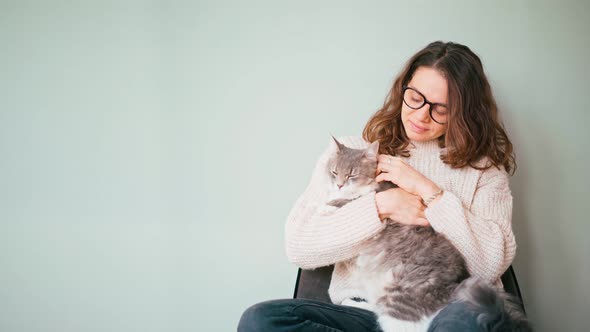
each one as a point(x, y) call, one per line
point(313, 239)
point(482, 232)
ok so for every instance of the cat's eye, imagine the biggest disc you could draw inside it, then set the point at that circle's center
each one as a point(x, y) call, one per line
point(334, 172)
point(352, 176)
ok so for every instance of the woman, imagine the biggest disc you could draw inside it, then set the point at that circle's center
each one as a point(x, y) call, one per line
point(441, 142)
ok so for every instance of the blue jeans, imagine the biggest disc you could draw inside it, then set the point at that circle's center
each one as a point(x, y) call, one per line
point(292, 315)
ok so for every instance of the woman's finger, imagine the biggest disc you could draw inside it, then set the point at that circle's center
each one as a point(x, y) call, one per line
point(383, 177)
point(422, 222)
point(387, 168)
point(390, 159)
point(383, 168)
point(379, 168)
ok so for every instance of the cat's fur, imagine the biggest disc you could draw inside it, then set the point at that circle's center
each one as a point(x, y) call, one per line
point(410, 273)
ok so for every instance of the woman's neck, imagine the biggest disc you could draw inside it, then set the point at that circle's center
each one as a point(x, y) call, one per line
point(424, 147)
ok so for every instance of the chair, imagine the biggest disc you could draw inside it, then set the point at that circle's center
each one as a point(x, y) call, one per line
point(313, 284)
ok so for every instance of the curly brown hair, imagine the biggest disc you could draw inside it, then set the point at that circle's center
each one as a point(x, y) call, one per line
point(474, 132)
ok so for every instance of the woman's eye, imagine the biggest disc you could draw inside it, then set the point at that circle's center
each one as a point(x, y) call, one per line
point(440, 111)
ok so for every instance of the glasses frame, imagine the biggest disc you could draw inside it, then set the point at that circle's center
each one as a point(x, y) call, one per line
point(430, 104)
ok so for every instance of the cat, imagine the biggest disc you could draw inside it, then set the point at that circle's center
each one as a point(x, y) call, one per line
point(410, 272)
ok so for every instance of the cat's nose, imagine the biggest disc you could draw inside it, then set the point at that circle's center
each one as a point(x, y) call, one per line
point(340, 186)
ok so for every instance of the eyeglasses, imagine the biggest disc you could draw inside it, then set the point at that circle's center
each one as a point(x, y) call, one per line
point(414, 99)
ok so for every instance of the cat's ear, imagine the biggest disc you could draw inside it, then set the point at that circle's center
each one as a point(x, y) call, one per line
point(335, 145)
point(372, 151)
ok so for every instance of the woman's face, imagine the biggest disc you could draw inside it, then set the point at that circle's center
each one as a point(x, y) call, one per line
point(418, 124)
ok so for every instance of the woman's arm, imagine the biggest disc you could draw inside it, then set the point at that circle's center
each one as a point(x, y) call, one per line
point(482, 232)
point(313, 240)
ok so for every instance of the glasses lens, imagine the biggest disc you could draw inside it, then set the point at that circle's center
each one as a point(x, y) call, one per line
point(440, 114)
point(413, 99)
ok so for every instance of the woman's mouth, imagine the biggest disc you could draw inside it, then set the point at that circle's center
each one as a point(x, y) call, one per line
point(417, 129)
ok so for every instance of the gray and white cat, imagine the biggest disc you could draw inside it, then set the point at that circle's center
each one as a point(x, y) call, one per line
point(410, 272)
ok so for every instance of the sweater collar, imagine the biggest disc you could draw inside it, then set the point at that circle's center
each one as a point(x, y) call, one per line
point(425, 147)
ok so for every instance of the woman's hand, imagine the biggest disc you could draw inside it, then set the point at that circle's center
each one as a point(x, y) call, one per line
point(401, 206)
point(396, 170)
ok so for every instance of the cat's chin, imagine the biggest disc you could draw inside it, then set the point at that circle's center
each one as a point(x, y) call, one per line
point(350, 194)
point(338, 195)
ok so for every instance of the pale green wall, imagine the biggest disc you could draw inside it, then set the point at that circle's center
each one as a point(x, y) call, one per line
point(150, 151)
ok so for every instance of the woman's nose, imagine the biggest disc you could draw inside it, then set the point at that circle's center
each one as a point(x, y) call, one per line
point(424, 113)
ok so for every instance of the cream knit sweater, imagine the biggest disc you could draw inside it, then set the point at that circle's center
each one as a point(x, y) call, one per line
point(474, 213)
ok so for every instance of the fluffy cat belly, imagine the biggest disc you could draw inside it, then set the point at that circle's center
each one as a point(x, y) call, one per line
point(377, 278)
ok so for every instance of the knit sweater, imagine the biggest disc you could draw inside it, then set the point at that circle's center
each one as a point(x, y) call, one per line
point(474, 213)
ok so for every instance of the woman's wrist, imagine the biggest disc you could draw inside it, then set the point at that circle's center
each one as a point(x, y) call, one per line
point(383, 201)
point(379, 204)
point(430, 193)
point(436, 199)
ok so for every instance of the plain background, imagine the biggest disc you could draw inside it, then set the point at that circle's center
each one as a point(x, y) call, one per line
point(150, 151)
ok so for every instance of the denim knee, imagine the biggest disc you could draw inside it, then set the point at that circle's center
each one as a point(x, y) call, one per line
point(263, 316)
point(253, 318)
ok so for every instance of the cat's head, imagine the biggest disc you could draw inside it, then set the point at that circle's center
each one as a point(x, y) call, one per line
point(351, 170)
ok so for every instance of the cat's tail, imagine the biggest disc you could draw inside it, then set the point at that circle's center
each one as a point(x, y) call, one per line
point(497, 310)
